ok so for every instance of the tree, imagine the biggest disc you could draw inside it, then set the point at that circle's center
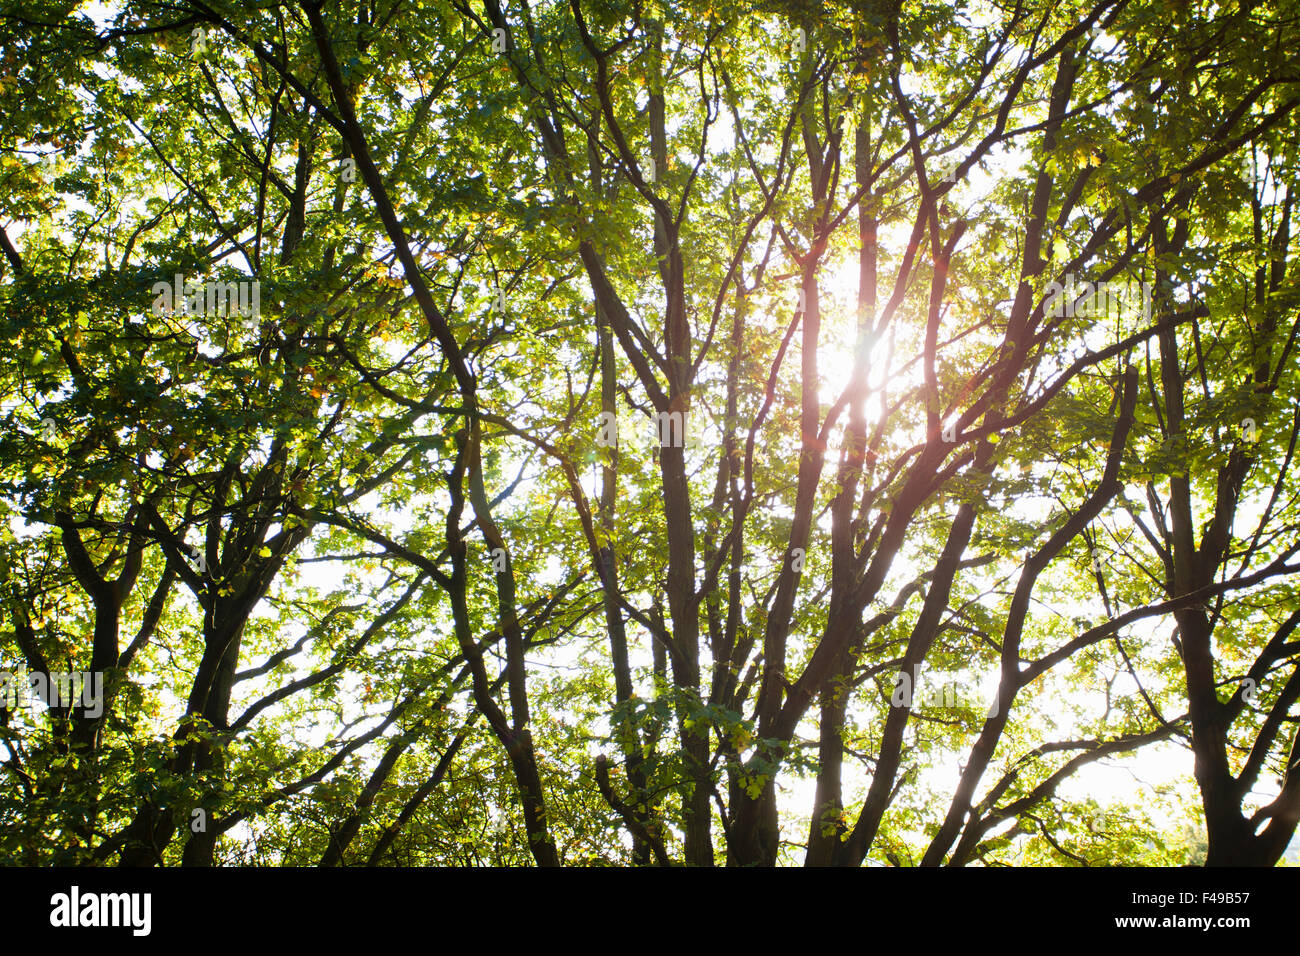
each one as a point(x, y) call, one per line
point(763, 435)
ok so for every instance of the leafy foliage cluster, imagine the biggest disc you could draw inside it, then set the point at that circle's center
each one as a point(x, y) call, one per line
point(368, 581)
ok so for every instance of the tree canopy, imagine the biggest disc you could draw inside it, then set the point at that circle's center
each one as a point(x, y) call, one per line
point(659, 433)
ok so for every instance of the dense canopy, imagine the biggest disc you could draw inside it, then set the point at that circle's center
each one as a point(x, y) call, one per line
point(691, 433)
